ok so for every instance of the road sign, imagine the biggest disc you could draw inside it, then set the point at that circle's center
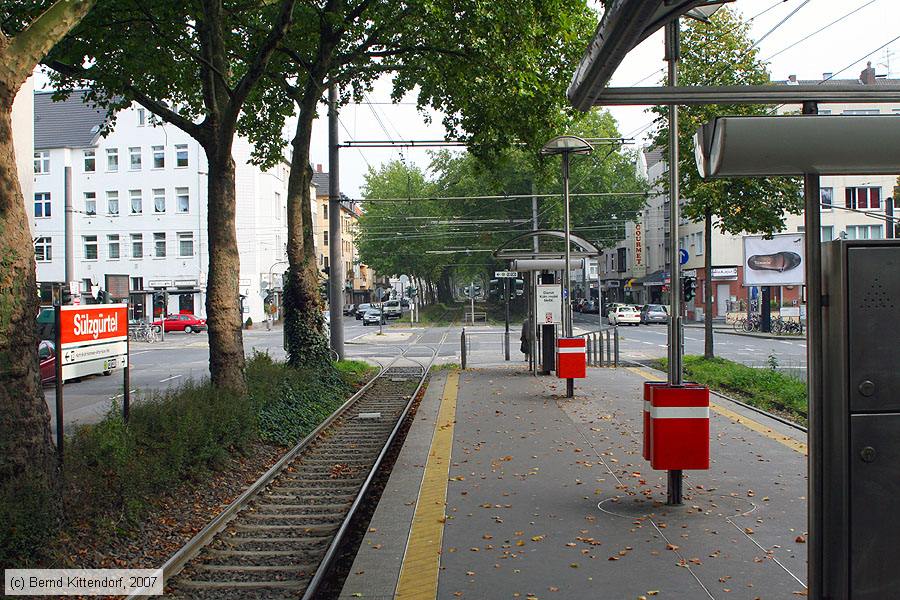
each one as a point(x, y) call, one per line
point(506, 274)
point(379, 293)
point(92, 339)
point(683, 256)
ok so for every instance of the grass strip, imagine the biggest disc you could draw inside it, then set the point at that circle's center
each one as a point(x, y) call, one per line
point(763, 388)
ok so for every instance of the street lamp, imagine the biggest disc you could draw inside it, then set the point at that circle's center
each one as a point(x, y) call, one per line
point(567, 145)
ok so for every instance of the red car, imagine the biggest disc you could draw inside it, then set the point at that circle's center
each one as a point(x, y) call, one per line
point(47, 356)
point(185, 323)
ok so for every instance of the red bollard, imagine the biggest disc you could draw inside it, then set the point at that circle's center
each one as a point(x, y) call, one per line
point(679, 427)
point(648, 385)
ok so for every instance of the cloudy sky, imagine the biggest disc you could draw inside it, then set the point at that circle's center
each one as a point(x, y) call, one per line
point(844, 46)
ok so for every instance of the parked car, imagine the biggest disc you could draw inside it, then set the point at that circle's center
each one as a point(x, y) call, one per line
point(654, 313)
point(361, 310)
point(349, 309)
point(392, 309)
point(625, 313)
point(185, 323)
point(591, 307)
point(47, 358)
point(374, 316)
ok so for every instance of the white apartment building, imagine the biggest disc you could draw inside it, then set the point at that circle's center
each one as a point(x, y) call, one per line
point(139, 203)
point(853, 207)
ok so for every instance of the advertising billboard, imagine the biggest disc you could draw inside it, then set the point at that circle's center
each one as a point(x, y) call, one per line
point(778, 260)
point(549, 304)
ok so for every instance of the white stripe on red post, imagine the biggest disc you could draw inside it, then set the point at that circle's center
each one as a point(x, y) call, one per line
point(679, 412)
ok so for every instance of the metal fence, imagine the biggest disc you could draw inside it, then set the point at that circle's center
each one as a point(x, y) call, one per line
point(602, 345)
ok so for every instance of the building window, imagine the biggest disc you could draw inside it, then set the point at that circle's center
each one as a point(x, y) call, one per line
point(827, 233)
point(186, 244)
point(90, 247)
point(137, 245)
point(42, 162)
point(864, 232)
point(112, 203)
point(826, 197)
point(182, 200)
point(159, 245)
point(42, 205)
point(325, 209)
point(862, 198)
point(113, 246)
point(141, 117)
point(137, 284)
point(43, 249)
point(90, 161)
point(181, 155)
point(159, 200)
point(137, 202)
point(277, 207)
point(325, 237)
point(159, 157)
point(112, 159)
point(135, 158)
point(90, 203)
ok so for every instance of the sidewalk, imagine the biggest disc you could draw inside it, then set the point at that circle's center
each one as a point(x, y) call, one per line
point(728, 329)
point(545, 497)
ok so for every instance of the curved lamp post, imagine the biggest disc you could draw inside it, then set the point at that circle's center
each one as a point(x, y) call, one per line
point(567, 145)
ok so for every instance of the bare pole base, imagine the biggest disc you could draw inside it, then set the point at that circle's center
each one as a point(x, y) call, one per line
point(674, 488)
point(570, 388)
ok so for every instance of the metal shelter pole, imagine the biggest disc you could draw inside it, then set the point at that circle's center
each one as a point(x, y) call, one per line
point(567, 283)
point(812, 223)
point(336, 267)
point(673, 52)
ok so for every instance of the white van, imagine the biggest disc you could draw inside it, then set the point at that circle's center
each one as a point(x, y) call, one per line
point(392, 309)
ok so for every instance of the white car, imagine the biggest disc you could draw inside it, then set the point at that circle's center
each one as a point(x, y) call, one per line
point(373, 316)
point(623, 313)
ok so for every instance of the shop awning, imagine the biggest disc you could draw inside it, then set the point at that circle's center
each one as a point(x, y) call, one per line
point(655, 278)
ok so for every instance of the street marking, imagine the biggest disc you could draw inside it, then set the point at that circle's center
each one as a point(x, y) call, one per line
point(747, 422)
point(170, 378)
point(121, 395)
point(422, 559)
point(662, 345)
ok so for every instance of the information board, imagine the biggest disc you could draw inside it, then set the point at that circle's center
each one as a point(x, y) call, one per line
point(549, 304)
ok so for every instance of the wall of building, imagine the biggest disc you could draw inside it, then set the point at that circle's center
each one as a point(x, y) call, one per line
point(182, 270)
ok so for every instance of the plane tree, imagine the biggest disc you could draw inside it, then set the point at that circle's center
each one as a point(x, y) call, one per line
point(27, 34)
point(193, 64)
point(497, 71)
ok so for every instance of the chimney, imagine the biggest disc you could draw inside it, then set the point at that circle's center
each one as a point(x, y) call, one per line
point(319, 168)
point(792, 80)
point(867, 77)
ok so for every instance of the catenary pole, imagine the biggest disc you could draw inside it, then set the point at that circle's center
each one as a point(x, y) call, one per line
point(673, 53)
point(336, 268)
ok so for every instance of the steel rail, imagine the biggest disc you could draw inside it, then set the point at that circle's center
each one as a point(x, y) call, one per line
point(190, 550)
point(330, 554)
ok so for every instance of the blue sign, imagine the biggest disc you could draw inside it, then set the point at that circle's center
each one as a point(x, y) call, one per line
point(683, 256)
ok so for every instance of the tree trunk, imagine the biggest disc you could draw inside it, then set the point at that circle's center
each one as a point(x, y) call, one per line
point(307, 344)
point(707, 288)
point(445, 287)
point(25, 439)
point(223, 306)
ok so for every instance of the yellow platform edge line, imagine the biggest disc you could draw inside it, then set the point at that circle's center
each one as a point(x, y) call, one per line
point(422, 559)
point(795, 445)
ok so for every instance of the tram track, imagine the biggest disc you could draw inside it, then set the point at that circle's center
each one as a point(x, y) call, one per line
point(278, 539)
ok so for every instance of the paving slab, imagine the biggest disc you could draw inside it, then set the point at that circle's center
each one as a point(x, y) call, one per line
point(549, 497)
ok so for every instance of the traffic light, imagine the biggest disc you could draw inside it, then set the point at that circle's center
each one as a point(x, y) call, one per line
point(65, 295)
point(688, 288)
point(520, 287)
point(495, 288)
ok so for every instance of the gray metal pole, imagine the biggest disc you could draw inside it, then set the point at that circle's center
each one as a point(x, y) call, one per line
point(567, 283)
point(812, 223)
point(673, 52)
point(69, 227)
point(336, 270)
point(507, 320)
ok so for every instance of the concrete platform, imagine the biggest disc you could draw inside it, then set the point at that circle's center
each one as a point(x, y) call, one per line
point(547, 497)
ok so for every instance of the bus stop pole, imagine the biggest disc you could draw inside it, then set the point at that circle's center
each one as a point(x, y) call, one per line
point(60, 432)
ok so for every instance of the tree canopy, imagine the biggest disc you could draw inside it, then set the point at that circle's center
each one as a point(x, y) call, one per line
point(449, 218)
